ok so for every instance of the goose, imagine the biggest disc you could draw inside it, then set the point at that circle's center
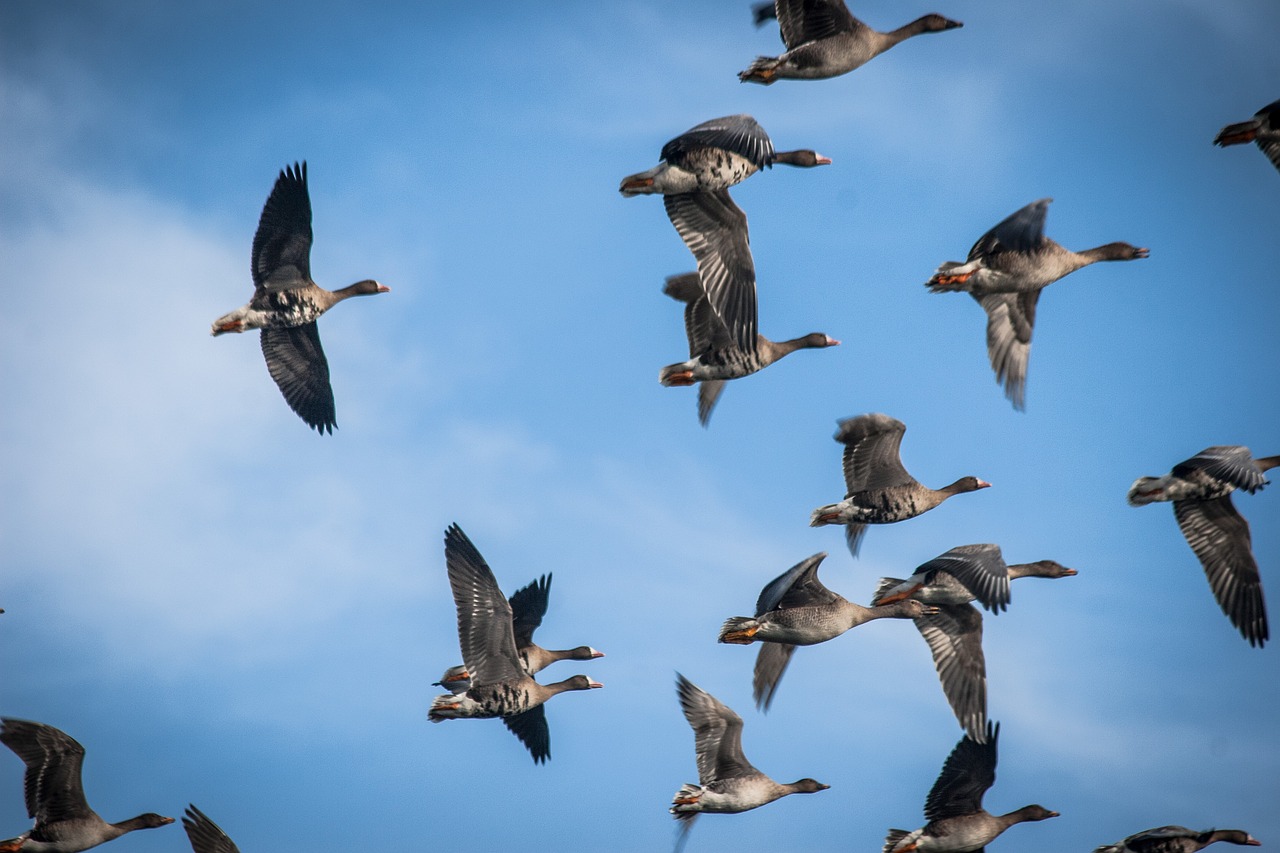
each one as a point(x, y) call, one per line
point(727, 782)
point(55, 795)
point(796, 609)
point(205, 835)
point(957, 821)
point(880, 489)
point(528, 606)
point(1200, 489)
point(1263, 129)
point(954, 629)
point(714, 356)
point(500, 686)
point(1006, 270)
point(286, 303)
point(824, 40)
point(1178, 839)
point(714, 156)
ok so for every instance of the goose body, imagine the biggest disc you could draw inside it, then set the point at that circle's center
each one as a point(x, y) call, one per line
point(499, 685)
point(1178, 839)
point(824, 40)
point(286, 303)
point(713, 156)
point(957, 821)
point(1005, 272)
point(714, 354)
point(953, 630)
point(727, 782)
point(1200, 489)
point(1263, 130)
point(54, 794)
point(797, 609)
point(528, 606)
point(880, 491)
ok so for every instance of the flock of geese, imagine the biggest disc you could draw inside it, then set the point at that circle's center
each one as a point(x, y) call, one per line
point(1005, 271)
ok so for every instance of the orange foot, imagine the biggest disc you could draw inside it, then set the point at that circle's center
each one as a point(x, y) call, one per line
point(1237, 138)
point(900, 596)
point(638, 184)
point(684, 377)
point(953, 279)
point(742, 638)
point(681, 801)
point(12, 846)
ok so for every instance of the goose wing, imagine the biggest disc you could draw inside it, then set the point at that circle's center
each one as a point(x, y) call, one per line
point(281, 257)
point(485, 630)
point(1219, 536)
point(966, 775)
point(528, 606)
point(51, 784)
point(296, 361)
point(715, 231)
point(717, 734)
point(802, 21)
point(738, 134)
point(871, 459)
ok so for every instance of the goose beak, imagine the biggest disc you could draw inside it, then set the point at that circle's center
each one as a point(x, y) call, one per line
point(983, 484)
point(596, 684)
point(823, 161)
point(1141, 253)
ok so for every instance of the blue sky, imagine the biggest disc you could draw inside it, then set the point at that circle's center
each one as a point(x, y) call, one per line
point(227, 609)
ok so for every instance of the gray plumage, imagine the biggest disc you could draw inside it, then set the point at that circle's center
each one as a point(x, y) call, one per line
point(1200, 489)
point(714, 355)
point(880, 491)
point(1006, 270)
point(957, 822)
point(797, 609)
point(500, 687)
point(286, 303)
point(1178, 839)
point(824, 40)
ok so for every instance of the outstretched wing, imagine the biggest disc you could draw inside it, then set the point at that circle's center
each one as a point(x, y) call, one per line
point(969, 771)
point(528, 606)
point(871, 459)
point(803, 21)
point(1010, 320)
point(205, 835)
point(771, 663)
point(1219, 536)
point(485, 630)
point(954, 635)
point(296, 362)
point(282, 245)
point(717, 734)
point(531, 728)
point(51, 785)
point(1020, 231)
point(798, 586)
point(739, 134)
point(715, 231)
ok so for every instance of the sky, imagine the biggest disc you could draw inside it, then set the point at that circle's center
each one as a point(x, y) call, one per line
point(229, 610)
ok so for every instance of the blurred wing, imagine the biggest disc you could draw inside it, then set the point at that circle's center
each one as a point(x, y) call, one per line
point(771, 663)
point(296, 362)
point(969, 771)
point(739, 134)
point(205, 835)
point(803, 21)
point(871, 458)
point(485, 630)
point(51, 785)
point(715, 231)
point(1010, 319)
point(1219, 536)
point(1021, 231)
point(282, 244)
point(954, 635)
point(982, 570)
point(531, 728)
point(717, 734)
point(528, 606)
point(798, 586)
point(708, 395)
point(1229, 463)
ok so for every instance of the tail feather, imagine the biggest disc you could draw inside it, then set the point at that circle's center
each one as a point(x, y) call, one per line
point(947, 268)
point(737, 624)
point(763, 70)
point(883, 587)
point(896, 838)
